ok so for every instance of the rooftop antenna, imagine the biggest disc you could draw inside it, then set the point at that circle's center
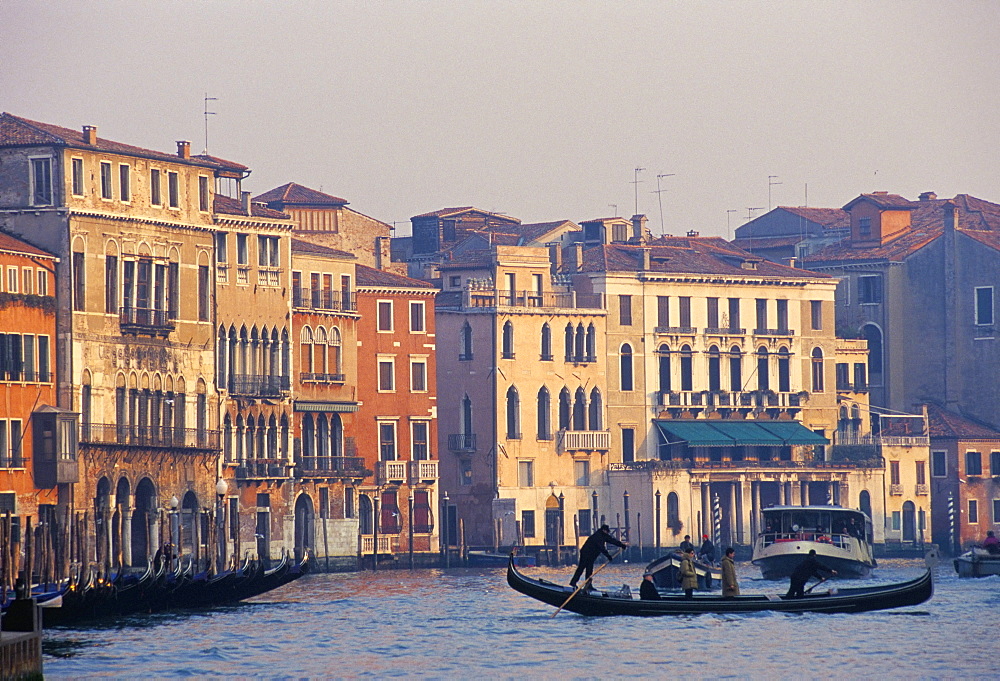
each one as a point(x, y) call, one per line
point(659, 196)
point(750, 231)
point(770, 183)
point(807, 195)
point(615, 206)
point(729, 229)
point(207, 114)
point(636, 182)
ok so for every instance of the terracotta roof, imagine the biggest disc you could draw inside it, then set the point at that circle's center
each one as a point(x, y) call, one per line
point(296, 194)
point(758, 242)
point(9, 242)
point(536, 230)
point(946, 424)
point(369, 276)
point(222, 163)
point(883, 200)
point(300, 246)
point(227, 205)
point(829, 218)
point(687, 255)
point(449, 212)
point(17, 131)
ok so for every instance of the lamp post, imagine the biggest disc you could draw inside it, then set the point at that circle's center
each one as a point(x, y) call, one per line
point(409, 517)
point(627, 524)
point(444, 528)
point(561, 539)
point(221, 487)
point(593, 498)
point(657, 539)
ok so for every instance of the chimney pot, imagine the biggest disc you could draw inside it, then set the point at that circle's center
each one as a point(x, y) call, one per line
point(90, 134)
point(928, 196)
point(692, 233)
point(646, 259)
point(183, 148)
point(245, 200)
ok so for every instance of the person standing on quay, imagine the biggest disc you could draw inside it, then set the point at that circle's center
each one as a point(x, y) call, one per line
point(689, 577)
point(591, 549)
point(730, 587)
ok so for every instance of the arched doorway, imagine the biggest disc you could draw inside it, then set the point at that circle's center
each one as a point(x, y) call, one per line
point(120, 520)
point(909, 522)
point(143, 521)
point(189, 525)
point(865, 502)
point(102, 521)
point(365, 514)
point(553, 521)
point(305, 527)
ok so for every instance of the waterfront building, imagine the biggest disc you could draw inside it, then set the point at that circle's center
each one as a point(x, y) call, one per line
point(396, 425)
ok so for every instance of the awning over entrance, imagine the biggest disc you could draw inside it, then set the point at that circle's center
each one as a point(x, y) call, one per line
point(738, 433)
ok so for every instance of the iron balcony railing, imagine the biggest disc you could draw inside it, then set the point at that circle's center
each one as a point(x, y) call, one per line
point(261, 386)
point(462, 442)
point(324, 299)
point(145, 320)
point(321, 378)
point(722, 398)
point(846, 438)
point(499, 298)
point(330, 466)
point(724, 331)
point(686, 464)
point(262, 469)
point(682, 330)
point(148, 436)
point(773, 332)
point(26, 375)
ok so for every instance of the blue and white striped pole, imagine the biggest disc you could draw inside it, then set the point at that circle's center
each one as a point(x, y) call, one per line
point(716, 521)
point(951, 520)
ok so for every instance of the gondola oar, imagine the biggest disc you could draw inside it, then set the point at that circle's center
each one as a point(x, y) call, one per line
point(586, 582)
point(821, 580)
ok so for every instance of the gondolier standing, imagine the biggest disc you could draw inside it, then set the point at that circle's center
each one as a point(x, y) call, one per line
point(810, 567)
point(591, 549)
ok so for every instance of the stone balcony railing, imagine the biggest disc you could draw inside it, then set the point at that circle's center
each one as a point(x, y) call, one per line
point(387, 544)
point(423, 472)
point(584, 440)
point(389, 472)
point(896, 490)
point(922, 490)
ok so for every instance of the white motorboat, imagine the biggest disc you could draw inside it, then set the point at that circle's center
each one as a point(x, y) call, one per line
point(840, 536)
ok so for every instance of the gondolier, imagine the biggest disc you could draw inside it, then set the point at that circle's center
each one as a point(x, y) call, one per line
point(810, 567)
point(591, 549)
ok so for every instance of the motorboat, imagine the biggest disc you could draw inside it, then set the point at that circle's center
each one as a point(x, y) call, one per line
point(840, 536)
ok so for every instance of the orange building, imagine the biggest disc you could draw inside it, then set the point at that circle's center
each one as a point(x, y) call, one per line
point(32, 476)
point(397, 420)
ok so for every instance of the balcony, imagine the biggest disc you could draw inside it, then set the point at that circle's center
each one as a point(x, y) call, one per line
point(922, 490)
point(722, 331)
point(462, 442)
point(584, 440)
point(722, 398)
point(845, 438)
point(262, 469)
point(676, 330)
point(896, 490)
point(144, 320)
point(773, 332)
point(257, 386)
point(243, 274)
point(391, 472)
point(326, 300)
point(321, 378)
point(688, 464)
point(148, 436)
point(330, 467)
point(269, 276)
point(386, 544)
point(423, 472)
point(491, 298)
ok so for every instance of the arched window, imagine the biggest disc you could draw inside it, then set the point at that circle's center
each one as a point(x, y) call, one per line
point(286, 358)
point(253, 368)
point(306, 343)
point(336, 357)
point(596, 421)
point(865, 502)
point(466, 422)
point(319, 361)
point(508, 341)
point(714, 369)
point(784, 370)
point(272, 439)
point(275, 353)
point(625, 368)
point(663, 354)
point(673, 512)
point(591, 344)
point(244, 356)
point(735, 369)
point(817, 370)
point(873, 335)
point(546, 343)
point(251, 431)
point(580, 410)
point(227, 439)
point(223, 376)
point(336, 435)
point(308, 441)
point(763, 370)
point(466, 338)
point(569, 342)
point(513, 414)
point(687, 368)
point(580, 348)
point(564, 409)
point(544, 414)
point(241, 451)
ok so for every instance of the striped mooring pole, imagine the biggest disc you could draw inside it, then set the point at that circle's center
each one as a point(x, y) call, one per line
point(716, 522)
point(951, 519)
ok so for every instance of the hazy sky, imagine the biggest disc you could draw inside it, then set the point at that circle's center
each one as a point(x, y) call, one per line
point(538, 109)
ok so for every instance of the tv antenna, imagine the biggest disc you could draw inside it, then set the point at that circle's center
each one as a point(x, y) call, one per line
point(207, 114)
point(659, 197)
point(615, 206)
point(770, 183)
point(750, 231)
point(729, 229)
point(636, 182)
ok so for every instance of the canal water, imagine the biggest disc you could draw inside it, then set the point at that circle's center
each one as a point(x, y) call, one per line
point(463, 623)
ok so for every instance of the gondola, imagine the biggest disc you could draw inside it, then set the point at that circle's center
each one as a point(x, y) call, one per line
point(604, 603)
point(666, 573)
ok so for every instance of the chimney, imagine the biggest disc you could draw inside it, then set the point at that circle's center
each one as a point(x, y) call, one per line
point(639, 227)
point(555, 258)
point(692, 233)
point(928, 196)
point(950, 217)
point(645, 258)
point(183, 148)
point(90, 134)
point(244, 198)
point(577, 256)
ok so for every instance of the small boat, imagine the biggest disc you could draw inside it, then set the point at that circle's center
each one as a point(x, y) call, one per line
point(840, 536)
point(491, 559)
point(605, 603)
point(977, 562)
point(666, 573)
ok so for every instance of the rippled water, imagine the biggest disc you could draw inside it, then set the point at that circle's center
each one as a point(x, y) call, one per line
point(462, 622)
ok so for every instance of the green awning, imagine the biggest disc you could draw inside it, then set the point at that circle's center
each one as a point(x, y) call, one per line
point(694, 433)
point(749, 433)
point(794, 433)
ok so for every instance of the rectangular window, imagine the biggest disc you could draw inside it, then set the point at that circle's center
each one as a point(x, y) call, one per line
point(155, 188)
point(864, 226)
point(625, 310)
point(939, 464)
point(734, 313)
point(996, 511)
point(465, 471)
point(860, 376)
point(973, 463)
point(15, 444)
point(685, 310)
point(203, 293)
point(111, 284)
point(27, 280)
point(628, 445)
point(870, 289)
point(896, 524)
point(843, 376)
point(525, 473)
point(173, 189)
point(419, 439)
point(348, 502)
point(28, 356)
point(44, 363)
point(78, 281)
point(202, 193)
point(262, 248)
point(387, 441)
point(386, 381)
point(782, 314)
point(221, 247)
point(816, 314)
point(12, 280)
point(511, 288)
point(663, 310)
point(242, 250)
point(77, 173)
point(174, 289)
point(106, 190)
point(921, 472)
point(528, 524)
point(995, 464)
point(713, 313)
point(761, 308)
point(984, 306)
point(416, 316)
point(973, 512)
point(43, 282)
point(455, 281)
point(584, 517)
point(4, 454)
point(418, 376)
point(41, 181)
point(385, 315)
point(894, 472)
point(581, 471)
point(124, 183)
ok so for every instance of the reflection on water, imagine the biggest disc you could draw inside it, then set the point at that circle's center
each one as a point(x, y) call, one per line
point(465, 622)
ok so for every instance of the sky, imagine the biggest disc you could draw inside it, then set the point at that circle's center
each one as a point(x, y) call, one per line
point(540, 109)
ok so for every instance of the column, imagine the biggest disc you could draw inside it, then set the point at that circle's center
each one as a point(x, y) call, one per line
point(126, 538)
point(805, 492)
point(735, 530)
point(795, 493)
point(706, 511)
point(746, 517)
point(782, 500)
point(695, 504)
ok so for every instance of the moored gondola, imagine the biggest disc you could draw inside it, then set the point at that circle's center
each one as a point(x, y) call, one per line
point(605, 603)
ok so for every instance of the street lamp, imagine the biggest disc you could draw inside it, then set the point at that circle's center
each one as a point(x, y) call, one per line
point(174, 530)
point(444, 528)
point(221, 487)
